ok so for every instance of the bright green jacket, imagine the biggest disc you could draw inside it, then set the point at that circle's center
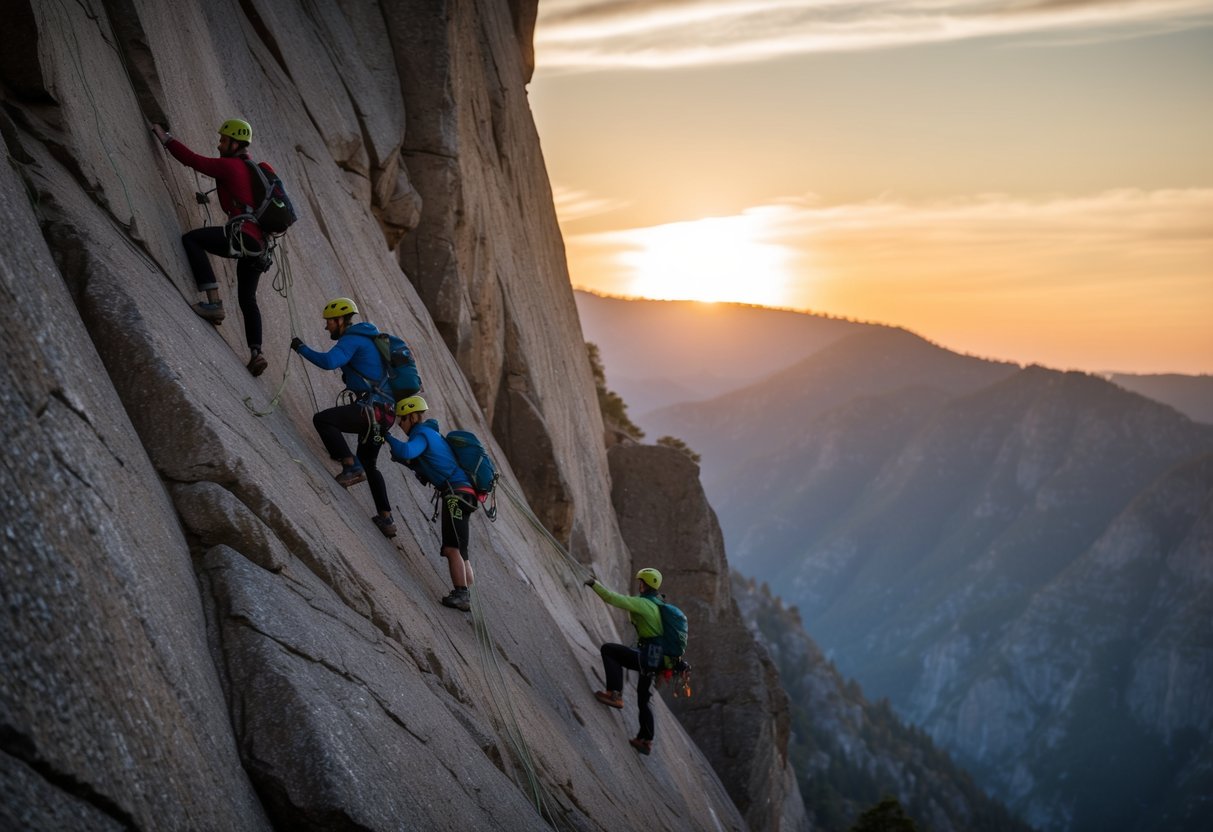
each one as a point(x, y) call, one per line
point(642, 609)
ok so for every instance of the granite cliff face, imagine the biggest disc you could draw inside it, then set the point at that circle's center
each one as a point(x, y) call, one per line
point(202, 630)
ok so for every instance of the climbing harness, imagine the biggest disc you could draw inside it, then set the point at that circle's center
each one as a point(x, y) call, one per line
point(378, 417)
point(453, 499)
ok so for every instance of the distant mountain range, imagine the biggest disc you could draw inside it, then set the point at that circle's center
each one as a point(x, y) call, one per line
point(661, 353)
point(1190, 395)
point(1019, 559)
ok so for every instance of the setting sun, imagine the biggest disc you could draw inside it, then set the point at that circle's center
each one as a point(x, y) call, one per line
point(713, 259)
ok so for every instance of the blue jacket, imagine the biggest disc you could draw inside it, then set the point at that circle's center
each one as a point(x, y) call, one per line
point(354, 353)
point(430, 457)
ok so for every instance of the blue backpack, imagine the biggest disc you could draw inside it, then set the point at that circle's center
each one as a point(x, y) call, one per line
point(401, 378)
point(475, 462)
point(673, 638)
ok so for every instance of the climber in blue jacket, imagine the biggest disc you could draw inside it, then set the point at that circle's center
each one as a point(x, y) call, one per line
point(429, 456)
point(370, 415)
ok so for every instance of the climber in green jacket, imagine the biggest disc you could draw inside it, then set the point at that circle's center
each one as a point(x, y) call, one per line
point(645, 616)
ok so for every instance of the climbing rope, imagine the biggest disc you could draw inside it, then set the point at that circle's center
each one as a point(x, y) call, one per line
point(495, 676)
point(499, 695)
point(579, 570)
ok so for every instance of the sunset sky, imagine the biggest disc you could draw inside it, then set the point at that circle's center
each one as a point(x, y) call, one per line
point(1027, 180)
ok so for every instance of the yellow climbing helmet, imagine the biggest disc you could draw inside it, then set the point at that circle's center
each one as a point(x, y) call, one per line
point(237, 129)
point(337, 307)
point(651, 577)
point(416, 404)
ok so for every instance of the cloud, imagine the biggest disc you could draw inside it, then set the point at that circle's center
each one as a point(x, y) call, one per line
point(1127, 239)
point(654, 34)
point(573, 205)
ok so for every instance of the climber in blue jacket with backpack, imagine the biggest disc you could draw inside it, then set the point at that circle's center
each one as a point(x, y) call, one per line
point(371, 413)
point(428, 454)
point(645, 614)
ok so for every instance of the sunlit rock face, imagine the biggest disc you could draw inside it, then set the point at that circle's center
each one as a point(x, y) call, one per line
point(203, 630)
point(738, 713)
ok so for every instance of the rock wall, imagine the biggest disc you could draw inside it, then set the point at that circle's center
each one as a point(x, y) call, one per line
point(202, 630)
point(737, 713)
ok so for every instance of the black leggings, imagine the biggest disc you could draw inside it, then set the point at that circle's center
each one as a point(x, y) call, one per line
point(352, 418)
point(212, 240)
point(616, 657)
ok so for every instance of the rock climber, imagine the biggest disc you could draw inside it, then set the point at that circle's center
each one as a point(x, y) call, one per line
point(430, 457)
point(645, 616)
point(370, 415)
point(241, 239)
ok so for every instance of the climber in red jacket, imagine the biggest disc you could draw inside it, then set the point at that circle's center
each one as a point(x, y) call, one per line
point(241, 239)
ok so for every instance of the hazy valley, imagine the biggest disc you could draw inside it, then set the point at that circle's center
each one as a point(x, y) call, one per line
point(1020, 559)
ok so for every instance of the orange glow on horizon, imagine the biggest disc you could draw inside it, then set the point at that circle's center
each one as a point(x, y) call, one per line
point(710, 260)
point(1055, 281)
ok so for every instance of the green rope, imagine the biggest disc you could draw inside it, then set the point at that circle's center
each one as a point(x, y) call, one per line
point(579, 570)
point(504, 704)
point(494, 674)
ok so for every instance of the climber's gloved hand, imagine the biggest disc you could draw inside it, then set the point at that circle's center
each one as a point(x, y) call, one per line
point(162, 135)
point(296, 343)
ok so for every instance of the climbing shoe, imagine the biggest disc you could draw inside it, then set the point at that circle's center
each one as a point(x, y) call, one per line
point(645, 747)
point(459, 599)
point(613, 698)
point(385, 525)
point(213, 312)
point(351, 475)
point(257, 364)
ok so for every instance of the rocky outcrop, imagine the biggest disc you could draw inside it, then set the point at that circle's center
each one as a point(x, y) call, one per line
point(203, 631)
point(738, 713)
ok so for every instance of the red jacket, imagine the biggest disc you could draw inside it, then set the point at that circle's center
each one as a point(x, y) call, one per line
point(232, 177)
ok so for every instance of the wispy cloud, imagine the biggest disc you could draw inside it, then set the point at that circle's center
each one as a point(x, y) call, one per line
point(573, 205)
point(592, 34)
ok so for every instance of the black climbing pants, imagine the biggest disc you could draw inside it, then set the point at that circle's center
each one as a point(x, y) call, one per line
point(331, 424)
point(212, 240)
point(455, 510)
point(617, 657)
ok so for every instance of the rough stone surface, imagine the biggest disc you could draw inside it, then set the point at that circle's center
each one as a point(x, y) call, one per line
point(110, 710)
point(202, 630)
point(738, 713)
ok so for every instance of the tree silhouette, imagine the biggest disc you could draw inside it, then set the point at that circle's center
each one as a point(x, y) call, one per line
point(885, 816)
